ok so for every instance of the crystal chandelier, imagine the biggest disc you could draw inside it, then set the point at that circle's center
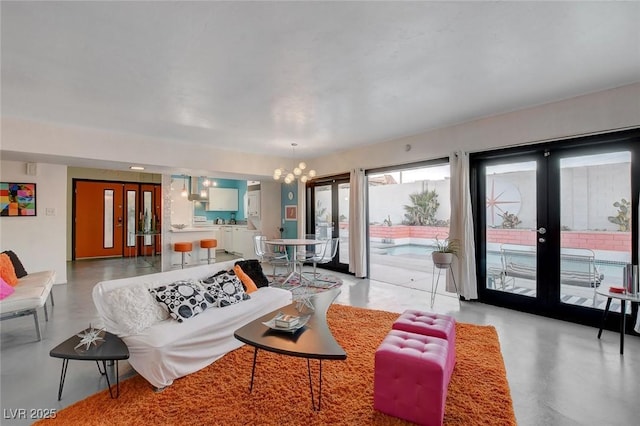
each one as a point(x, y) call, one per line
point(298, 172)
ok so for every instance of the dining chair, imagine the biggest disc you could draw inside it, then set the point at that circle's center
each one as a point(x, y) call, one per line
point(311, 251)
point(266, 253)
point(326, 255)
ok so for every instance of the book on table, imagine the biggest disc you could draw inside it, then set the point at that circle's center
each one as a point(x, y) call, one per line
point(286, 321)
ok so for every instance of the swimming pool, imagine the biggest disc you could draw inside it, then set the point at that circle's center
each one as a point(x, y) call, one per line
point(612, 271)
point(409, 249)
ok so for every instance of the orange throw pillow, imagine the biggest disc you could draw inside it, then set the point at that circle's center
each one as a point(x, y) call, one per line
point(7, 272)
point(249, 285)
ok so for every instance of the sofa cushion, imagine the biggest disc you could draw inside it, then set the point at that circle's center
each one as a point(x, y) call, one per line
point(135, 308)
point(6, 270)
point(247, 282)
point(182, 299)
point(5, 289)
point(17, 265)
point(253, 269)
point(225, 288)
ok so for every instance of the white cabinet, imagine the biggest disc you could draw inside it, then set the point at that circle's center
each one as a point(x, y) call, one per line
point(226, 235)
point(253, 204)
point(238, 240)
point(264, 214)
point(223, 199)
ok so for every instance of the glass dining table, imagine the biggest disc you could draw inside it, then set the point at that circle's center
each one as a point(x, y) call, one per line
point(295, 244)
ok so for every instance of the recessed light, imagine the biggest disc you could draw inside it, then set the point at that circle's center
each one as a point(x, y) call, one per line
point(136, 168)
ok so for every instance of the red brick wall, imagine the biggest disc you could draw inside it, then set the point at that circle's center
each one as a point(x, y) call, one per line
point(595, 240)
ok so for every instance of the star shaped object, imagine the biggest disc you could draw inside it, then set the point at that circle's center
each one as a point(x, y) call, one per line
point(90, 336)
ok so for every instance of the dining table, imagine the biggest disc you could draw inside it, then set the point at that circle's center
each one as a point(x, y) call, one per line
point(295, 243)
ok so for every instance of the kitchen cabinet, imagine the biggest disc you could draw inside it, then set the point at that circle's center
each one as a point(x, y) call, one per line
point(226, 235)
point(253, 204)
point(238, 240)
point(267, 204)
point(223, 199)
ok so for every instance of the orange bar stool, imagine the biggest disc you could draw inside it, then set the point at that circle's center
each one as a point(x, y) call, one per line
point(209, 244)
point(183, 248)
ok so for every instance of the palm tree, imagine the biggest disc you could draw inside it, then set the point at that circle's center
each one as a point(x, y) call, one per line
point(423, 210)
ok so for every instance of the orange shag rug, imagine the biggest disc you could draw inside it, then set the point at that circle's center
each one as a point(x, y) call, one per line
point(218, 394)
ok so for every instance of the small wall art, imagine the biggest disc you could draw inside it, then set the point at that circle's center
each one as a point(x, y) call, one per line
point(17, 199)
point(290, 212)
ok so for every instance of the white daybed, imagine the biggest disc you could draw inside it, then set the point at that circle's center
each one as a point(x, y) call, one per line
point(170, 349)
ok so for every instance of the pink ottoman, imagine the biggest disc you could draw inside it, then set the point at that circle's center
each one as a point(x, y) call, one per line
point(410, 378)
point(430, 324)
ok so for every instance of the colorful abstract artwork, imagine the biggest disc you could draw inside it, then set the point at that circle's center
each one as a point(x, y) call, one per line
point(17, 199)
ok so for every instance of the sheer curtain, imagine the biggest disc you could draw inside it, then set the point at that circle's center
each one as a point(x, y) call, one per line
point(461, 228)
point(357, 223)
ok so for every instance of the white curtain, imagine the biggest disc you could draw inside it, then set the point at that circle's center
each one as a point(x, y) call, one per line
point(357, 223)
point(461, 228)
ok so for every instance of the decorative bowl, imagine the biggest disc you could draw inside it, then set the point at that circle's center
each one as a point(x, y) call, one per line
point(179, 225)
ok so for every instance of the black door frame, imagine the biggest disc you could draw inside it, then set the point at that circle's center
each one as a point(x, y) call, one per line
point(547, 302)
point(334, 182)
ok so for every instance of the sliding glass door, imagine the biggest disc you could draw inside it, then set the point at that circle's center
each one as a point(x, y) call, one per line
point(555, 223)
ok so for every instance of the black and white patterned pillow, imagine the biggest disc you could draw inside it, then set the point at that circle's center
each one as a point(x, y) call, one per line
point(183, 299)
point(225, 288)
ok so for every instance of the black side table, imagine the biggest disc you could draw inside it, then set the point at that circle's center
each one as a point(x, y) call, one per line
point(112, 349)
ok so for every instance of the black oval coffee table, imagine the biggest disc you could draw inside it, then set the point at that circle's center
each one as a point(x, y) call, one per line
point(313, 341)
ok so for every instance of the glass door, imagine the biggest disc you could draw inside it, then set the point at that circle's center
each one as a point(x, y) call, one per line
point(555, 224)
point(329, 216)
point(511, 227)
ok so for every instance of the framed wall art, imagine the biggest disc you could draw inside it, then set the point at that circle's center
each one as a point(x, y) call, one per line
point(17, 199)
point(290, 212)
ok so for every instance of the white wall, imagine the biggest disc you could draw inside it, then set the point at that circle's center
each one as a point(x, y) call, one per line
point(40, 241)
point(598, 112)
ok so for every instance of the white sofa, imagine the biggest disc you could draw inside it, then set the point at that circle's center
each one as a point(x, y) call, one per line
point(170, 349)
point(31, 293)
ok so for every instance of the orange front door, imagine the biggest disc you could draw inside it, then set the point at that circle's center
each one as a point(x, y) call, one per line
point(99, 219)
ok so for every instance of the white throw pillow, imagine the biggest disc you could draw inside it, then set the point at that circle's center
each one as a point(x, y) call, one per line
point(134, 308)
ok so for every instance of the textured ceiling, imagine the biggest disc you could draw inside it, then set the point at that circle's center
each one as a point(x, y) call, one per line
point(256, 76)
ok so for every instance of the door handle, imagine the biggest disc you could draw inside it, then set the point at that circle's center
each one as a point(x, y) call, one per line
point(542, 231)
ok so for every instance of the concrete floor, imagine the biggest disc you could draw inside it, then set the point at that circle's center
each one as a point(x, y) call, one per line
point(559, 372)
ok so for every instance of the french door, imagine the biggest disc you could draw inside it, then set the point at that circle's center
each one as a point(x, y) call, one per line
point(554, 222)
point(107, 216)
point(327, 217)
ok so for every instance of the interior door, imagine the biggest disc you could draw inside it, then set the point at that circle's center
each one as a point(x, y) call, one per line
point(99, 219)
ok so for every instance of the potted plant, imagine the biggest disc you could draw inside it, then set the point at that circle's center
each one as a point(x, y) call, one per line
point(445, 249)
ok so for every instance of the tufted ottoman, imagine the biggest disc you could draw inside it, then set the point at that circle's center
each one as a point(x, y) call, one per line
point(411, 377)
point(430, 324)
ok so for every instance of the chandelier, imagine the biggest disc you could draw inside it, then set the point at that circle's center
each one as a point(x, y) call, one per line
point(298, 172)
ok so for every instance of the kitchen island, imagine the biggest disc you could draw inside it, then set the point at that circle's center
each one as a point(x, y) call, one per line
point(235, 239)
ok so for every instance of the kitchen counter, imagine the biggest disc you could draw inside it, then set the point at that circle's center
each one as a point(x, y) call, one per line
point(204, 228)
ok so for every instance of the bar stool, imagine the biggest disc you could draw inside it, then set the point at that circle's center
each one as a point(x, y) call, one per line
point(183, 247)
point(209, 244)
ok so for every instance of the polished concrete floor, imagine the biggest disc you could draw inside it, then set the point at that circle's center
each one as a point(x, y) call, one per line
point(559, 372)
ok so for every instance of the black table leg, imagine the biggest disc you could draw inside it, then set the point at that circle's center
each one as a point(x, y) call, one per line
point(313, 400)
point(253, 369)
point(623, 311)
point(103, 371)
point(604, 316)
point(63, 374)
